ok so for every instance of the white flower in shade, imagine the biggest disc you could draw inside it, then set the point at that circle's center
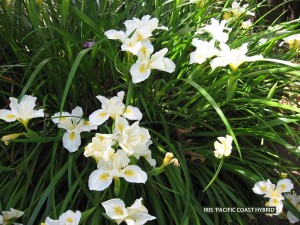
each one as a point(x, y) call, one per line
point(10, 215)
point(116, 167)
point(67, 218)
point(263, 187)
point(274, 193)
point(136, 214)
point(74, 124)
point(100, 147)
point(216, 30)
point(113, 108)
point(295, 200)
point(22, 111)
point(233, 57)
point(141, 70)
point(204, 50)
point(247, 24)
point(223, 146)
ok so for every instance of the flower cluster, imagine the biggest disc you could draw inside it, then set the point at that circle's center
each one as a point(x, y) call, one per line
point(112, 152)
point(224, 54)
point(136, 41)
point(274, 193)
point(7, 216)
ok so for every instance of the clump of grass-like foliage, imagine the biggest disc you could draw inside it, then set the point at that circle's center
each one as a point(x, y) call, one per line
point(42, 54)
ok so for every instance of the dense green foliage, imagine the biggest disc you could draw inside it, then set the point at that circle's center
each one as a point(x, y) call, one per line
point(42, 54)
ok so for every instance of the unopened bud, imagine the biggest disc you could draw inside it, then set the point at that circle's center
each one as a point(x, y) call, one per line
point(168, 158)
point(9, 137)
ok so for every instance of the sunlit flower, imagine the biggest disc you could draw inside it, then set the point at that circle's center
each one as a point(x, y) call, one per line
point(136, 214)
point(204, 50)
point(223, 146)
point(113, 108)
point(293, 41)
point(74, 124)
point(238, 10)
point(141, 70)
point(247, 24)
point(216, 30)
point(136, 32)
point(22, 111)
point(233, 57)
point(67, 218)
point(295, 200)
point(116, 167)
point(10, 215)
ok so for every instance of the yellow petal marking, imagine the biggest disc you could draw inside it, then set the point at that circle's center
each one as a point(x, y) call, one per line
point(129, 173)
point(72, 136)
point(70, 220)
point(104, 176)
point(118, 210)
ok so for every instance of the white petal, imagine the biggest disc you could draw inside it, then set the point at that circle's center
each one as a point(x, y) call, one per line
point(156, 60)
point(133, 113)
point(37, 113)
point(7, 115)
point(284, 185)
point(77, 112)
point(50, 221)
point(60, 117)
point(71, 141)
point(100, 179)
point(134, 174)
point(115, 35)
point(115, 209)
point(139, 72)
point(260, 188)
point(98, 117)
point(131, 45)
point(70, 218)
point(169, 65)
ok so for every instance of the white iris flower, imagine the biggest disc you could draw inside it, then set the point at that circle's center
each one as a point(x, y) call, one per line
point(136, 214)
point(74, 124)
point(22, 111)
point(113, 108)
point(67, 218)
point(223, 146)
point(233, 57)
point(216, 30)
point(141, 70)
point(204, 50)
point(116, 167)
point(10, 215)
